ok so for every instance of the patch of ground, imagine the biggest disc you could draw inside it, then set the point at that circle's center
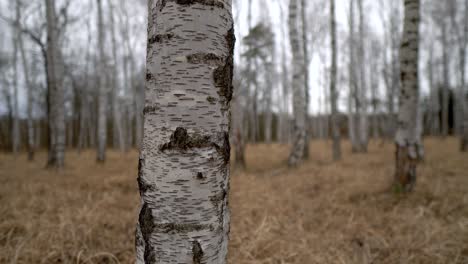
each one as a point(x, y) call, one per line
point(321, 212)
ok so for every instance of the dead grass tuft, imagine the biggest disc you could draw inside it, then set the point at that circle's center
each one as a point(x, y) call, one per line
point(322, 212)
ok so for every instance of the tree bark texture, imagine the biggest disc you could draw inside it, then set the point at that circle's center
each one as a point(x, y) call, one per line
point(299, 141)
point(407, 139)
point(184, 158)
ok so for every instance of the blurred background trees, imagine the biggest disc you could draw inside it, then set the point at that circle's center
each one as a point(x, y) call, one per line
point(72, 73)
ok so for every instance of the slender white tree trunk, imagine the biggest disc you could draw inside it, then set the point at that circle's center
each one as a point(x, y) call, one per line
point(16, 117)
point(363, 122)
point(463, 86)
point(407, 139)
point(55, 93)
point(352, 95)
point(297, 151)
point(305, 50)
point(184, 159)
point(333, 92)
point(446, 80)
point(29, 98)
point(102, 90)
point(283, 124)
point(117, 115)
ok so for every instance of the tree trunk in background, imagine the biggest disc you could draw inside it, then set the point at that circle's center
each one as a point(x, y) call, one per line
point(305, 49)
point(333, 92)
point(434, 102)
point(116, 114)
point(15, 132)
point(238, 133)
point(407, 139)
point(56, 106)
point(352, 82)
point(463, 86)
point(446, 80)
point(102, 90)
point(283, 124)
point(362, 100)
point(374, 61)
point(29, 99)
point(184, 159)
point(297, 151)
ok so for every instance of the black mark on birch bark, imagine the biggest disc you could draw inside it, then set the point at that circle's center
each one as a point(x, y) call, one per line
point(143, 186)
point(181, 140)
point(161, 4)
point(179, 228)
point(200, 176)
point(160, 38)
point(147, 226)
point(214, 3)
point(223, 74)
point(197, 252)
point(150, 110)
point(205, 58)
point(211, 99)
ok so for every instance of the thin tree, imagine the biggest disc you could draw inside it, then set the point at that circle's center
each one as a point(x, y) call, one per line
point(299, 141)
point(184, 159)
point(407, 139)
point(463, 52)
point(55, 98)
point(102, 90)
point(333, 92)
point(15, 133)
point(305, 50)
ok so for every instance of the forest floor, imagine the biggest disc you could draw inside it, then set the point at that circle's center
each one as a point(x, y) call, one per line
point(322, 212)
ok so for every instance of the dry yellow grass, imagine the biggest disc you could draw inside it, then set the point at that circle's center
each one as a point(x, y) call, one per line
point(322, 212)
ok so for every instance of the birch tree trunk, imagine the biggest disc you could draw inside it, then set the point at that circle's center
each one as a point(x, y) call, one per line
point(29, 98)
point(297, 151)
point(446, 80)
point(407, 139)
point(333, 92)
point(15, 133)
point(362, 101)
point(463, 86)
point(305, 49)
point(283, 129)
point(352, 82)
point(116, 114)
point(102, 93)
point(184, 159)
point(55, 93)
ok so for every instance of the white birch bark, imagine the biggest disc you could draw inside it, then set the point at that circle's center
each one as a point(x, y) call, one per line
point(299, 141)
point(333, 92)
point(184, 159)
point(15, 133)
point(55, 93)
point(29, 99)
point(464, 87)
point(305, 50)
point(283, 124)
point(446, 80)
point(362, 101)
point(102, 90)
point(407, 139)
point(116, 114)
point(352, 82)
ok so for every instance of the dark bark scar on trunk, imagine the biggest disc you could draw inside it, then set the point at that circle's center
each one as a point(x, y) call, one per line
point(197, 252)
